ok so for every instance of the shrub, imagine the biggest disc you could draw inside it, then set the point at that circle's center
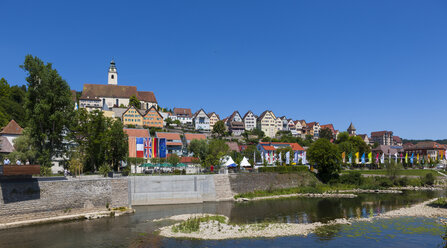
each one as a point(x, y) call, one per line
point(104, 169)
point(384, 182)
point(402, 181)
point(428, 179)
point(126, 171)
point(284, 169)
point(353, 178)
point(45, 170)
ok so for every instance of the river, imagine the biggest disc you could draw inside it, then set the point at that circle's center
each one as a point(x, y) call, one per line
point(137, 230)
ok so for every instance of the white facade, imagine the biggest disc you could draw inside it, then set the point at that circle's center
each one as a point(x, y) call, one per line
point(113, 74)
point(201, 121)
point(249, 121)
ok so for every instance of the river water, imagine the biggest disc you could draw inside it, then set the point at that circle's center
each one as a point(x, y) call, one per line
point(138, 230)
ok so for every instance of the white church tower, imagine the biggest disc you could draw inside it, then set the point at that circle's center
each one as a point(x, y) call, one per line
point(113, 74)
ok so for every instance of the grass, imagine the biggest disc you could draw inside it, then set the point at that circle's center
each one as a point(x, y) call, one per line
point(440, 203)
point(409, 172)
point(193, 224)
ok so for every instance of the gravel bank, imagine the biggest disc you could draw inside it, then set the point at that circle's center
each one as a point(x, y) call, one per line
point(324, 195)
point(214, 230)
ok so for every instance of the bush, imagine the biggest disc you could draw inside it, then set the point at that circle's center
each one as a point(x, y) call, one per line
point(402, 181)
point(384, 182)
point(126, 171)
point(284, 169)
point(45, 170)
point(428, 179)
point(353, 178)
point(104, 169)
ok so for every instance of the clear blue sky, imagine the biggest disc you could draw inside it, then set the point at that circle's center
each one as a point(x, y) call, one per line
point(380, 64)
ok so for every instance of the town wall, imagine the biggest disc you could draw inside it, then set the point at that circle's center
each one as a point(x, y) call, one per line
point(31, 195)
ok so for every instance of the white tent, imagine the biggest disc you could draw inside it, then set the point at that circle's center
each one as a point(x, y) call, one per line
point(230, 162)
point(245, 163)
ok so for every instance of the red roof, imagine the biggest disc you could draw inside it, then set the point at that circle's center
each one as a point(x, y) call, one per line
point(397, 139)
point(183, 112)
point(12, 128)
point(186, 159)
point(193, 136)
point(294, 146)
point(133, 132)
point(380, 133)
point(269, 148)
point(174, 143)
point(169, 136)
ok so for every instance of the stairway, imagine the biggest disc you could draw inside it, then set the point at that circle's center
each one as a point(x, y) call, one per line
point(223, 188)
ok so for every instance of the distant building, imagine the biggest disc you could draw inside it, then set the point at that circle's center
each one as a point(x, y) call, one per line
point(267, 123)
point(184, 115)
point(132, 116)
point(313, 129)
point(173, 142)
point(427, 148)
point(213, 119)
point(7, 136)
point(351, 129)
point(106, 96)
point(193, 136)
point(382, 137)
point(249, 120)
point(132, 134)
point(152, 118)
point(269, 150)
point(235, 124)
point(364, 138)
point(397, 141)
point(330, 127)
point(201, 121)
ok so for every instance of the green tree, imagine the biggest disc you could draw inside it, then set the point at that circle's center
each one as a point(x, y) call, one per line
point(173, 159)
point(133, 101)
point(23, 148)
point(118, 146)
point(326, 158)
point(326, 133)
point(219, 129)
point(199, 148)
point(49, 109)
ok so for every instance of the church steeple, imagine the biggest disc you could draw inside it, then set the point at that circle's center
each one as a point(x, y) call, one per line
point(113, 74)
point(351, 129)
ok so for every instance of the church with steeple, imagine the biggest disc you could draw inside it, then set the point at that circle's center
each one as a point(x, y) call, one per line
point(351, 130)
point(112, 95)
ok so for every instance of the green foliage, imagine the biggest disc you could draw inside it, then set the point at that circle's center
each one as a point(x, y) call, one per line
point(199, 148)
point(219, 129)
point(45, 170)
point(428, 179)
point(75, 165)
point(284, 169)
point(100, 139)
point(133, 101)
point(326, 133)
point(104, 170)
point(249, 151)
point(441, 202)
point(351, 144)
point(12, 102)
point(352, 178)
point(173, 159)
point(193, 224)
point(326, 158)
point(23, 148)
point(49, 109)
point(393, 170)
point(126, 171)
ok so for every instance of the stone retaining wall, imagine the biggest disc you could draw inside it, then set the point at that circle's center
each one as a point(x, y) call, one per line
point(24, 196)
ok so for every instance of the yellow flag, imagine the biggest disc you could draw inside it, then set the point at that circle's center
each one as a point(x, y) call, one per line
point(406, 157)
point(417, 158)
point(370, 157)
point(357, 157)
point(343, 155)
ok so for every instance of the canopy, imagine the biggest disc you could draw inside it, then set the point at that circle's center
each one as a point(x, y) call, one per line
point(181, 165)
point(230, 163)
point(147, 165)
point(245, 163)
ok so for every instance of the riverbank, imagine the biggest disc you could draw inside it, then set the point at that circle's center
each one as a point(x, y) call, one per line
point(218, 230)
point(61, 216)
point(310, 195)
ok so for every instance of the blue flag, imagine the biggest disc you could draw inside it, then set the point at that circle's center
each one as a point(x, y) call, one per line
point(363, 158)
point(162, 147)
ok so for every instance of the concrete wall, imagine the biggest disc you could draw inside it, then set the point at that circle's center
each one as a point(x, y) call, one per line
point(153, 190)
point(24, 196)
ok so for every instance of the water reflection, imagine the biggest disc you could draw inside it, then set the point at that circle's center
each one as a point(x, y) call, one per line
point(137, 230)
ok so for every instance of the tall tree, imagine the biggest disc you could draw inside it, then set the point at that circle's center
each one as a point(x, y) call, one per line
point(49, 109)
point(133, 101)
point(118, 147)
point(326, 133)
point(219, 128)
point(326, 158)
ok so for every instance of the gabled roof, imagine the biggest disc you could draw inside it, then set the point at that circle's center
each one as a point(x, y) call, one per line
point(183, 111)
point(303, 123)
point(12, 128)
point(329, 126)
point(135, 132)
point(152, 107)
point(312, 124)
point(142, 113)
point(426, 145)
point(169, 136)
point(107, 90)
point(147, 96)
point(397, 139)
point(193, 136)
point(213, 113)
point(248, 112)
point(198, 111)
point(294, 146)
point(264, 113)
point(5, 145)
point(363, 136)
point(351, 127)
point(380, 133)
point(231, 117)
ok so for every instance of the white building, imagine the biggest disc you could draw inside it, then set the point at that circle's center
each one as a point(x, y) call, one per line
point(201, 120)
point(249, 121)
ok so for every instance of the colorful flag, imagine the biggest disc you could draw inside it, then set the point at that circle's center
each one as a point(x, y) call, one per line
point(304, 158)
point(154, 147)
point(406, 157)
point(363, 158)
point(162, 147)
point(147, 147)
point(357, 157)
point(417, 158)
point(295, 157)
point(288, 157)
point(140, 147)
point(350, 158)
point(412, 158)
point(395, 157)
point(370, 155)
point(377, 158)
point(343, 157)
point(382, 160)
